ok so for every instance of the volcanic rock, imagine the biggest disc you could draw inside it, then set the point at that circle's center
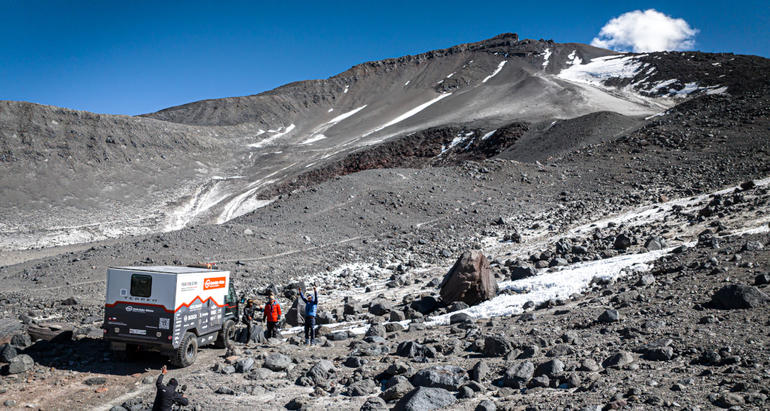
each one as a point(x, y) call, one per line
point(470, 280)
point(736, 296)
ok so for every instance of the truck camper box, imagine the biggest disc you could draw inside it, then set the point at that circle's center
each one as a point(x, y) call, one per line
point(169, 309)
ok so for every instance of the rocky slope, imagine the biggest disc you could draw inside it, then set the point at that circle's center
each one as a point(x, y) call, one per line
point(214, 160)
point(632, 272)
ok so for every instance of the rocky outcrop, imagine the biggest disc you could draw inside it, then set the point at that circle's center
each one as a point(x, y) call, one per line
point(469, 280)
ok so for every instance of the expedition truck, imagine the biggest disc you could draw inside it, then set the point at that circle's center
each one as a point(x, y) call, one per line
point(172, 310)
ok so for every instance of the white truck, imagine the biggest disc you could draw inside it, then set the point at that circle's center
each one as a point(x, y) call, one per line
point(169, 309)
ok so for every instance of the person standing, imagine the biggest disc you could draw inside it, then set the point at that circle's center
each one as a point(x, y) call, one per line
point(248, 318)
point(272, 315)
point(167, 395)
point(311, 308)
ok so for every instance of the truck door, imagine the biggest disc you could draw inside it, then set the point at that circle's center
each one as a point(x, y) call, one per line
point(231, 304)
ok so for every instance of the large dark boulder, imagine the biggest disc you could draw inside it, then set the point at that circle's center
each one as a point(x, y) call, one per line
point(496, 346)
point(380, 307)
point(470, 280)
point(519, 272)
point(518, 375)
point(415, 350)
point(450, 377)
point(257, 335)
point(296, 314)
point(425, 305)
point(425, 399)
point(736, 296)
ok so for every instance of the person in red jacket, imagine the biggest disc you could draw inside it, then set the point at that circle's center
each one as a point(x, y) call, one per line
point(272, 315)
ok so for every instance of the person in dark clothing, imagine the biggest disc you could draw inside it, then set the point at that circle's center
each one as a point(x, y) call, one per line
point(311, 307)
point(272, 316)
point(167, 394)
point(248, 318)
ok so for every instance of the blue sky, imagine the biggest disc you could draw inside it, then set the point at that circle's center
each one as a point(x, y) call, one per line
point(141, 56)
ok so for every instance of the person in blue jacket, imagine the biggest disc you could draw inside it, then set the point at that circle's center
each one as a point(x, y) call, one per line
point(311, 307)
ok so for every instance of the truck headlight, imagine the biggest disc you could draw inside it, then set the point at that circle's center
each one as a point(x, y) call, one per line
point(117, 330)
point(157, 334)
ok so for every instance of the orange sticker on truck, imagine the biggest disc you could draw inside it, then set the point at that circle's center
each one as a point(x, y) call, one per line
point(214, 282)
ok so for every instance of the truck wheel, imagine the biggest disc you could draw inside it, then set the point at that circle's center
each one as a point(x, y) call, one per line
point(226, 334)
point(185, 355)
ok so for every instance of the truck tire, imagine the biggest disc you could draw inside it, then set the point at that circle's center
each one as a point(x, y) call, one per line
point(226, 334)
point(185, 355)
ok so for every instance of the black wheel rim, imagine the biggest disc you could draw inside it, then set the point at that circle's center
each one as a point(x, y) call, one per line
point(190, 351)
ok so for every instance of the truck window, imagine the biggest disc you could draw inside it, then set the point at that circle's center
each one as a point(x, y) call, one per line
point(141, 285)
point(230, 297)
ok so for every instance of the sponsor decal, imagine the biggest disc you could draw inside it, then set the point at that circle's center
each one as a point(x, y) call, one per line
point(164, 323)
point(139, 310)
point(214, 282)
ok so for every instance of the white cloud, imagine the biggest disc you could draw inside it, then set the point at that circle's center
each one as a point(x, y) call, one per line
point(642, 31)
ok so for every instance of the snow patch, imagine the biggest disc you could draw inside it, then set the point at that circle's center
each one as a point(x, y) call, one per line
point(341, 117)
point(409, 113)
point(488, 135)
point(600, 69)
point(407, 83)
point(347, 87)
point(313, 139)
point(330, 110)
point(573, 59)
point(279, 133)
point(559, 284)
point(450, 74)
point(546, 58)
point(494, 73)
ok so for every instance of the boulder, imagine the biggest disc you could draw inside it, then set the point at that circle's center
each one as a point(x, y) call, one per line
point(257, 335)
point(449, 377)
point(425, 399)
point(425, 305)
point(397, 316)
point(414, 350)
point(324, 317)
point(393, 327)
point(244, 365)
point(322, 372)
point(380, 307)
point(622, 242)
point(277, 362)
point(618, 360)
point(518, 375)
point(376, 330)
point(374, 404)
point(479, 371)
point(736, 296)
point(470, 280)
point(486, 405)
point(551, 368)
point(397, 390)
point(609, 316)
point(70, 301)
point(655, 243)
point(296, 314)
point(460, 318)
point(456, 306)
point(7, 352)
point(351, 308)
point(362, 388)
point(496, 346)
point(19, 364)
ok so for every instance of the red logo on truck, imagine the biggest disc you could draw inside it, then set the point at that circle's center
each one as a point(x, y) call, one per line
point(215, 282)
